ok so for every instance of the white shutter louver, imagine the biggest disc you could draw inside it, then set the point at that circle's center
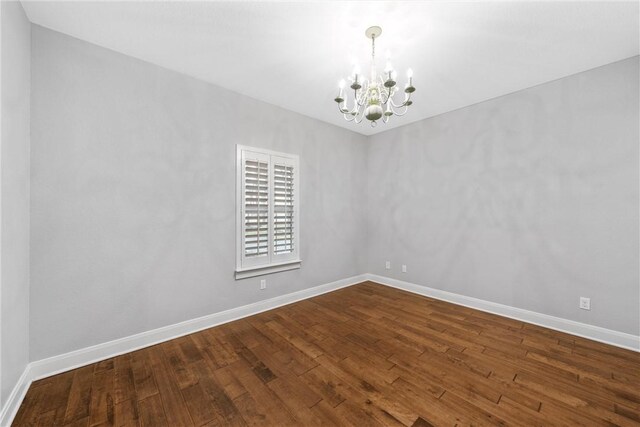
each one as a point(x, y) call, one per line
point(256, 208)
point(283, 209)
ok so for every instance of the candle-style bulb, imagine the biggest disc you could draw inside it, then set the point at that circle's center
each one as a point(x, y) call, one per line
point(409, 73)
point(341, 84)
point(356, 71)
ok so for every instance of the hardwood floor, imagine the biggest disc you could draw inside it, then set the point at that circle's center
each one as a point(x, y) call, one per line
point(364, 355)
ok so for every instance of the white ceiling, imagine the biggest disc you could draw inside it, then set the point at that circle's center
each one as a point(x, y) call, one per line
point(293, 54)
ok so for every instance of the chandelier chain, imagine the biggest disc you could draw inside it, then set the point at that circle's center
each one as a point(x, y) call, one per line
point(373, 47)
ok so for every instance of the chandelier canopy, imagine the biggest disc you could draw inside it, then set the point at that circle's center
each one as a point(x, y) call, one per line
point(373, 97)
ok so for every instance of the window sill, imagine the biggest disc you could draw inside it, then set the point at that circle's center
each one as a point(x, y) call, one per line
point(245, 273)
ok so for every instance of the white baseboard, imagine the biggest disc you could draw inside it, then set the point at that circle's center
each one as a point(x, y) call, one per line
point(596, 333)
point(10, 408)
point(75, 359)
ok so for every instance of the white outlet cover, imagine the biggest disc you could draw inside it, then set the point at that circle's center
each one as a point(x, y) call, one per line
point(585, 303)
point(263, 284)
point(404, 268)
point(388, 265)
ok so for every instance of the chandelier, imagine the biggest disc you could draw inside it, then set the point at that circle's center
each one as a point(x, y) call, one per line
point(373, 98)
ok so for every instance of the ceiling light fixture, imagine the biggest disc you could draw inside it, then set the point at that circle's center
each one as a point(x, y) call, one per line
point(370, 96)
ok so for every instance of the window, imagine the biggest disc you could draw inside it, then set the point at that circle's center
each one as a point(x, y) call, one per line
point(268, 226)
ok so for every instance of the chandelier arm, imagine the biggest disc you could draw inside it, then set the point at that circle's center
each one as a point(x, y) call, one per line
point(388, 91)
point(347, 116)
point(362, 116)
point(359, 116)
point(363, 94)
point(350, 115)
point(358, 102)
point(385, 96)
point(406, 109)
point(404, 103)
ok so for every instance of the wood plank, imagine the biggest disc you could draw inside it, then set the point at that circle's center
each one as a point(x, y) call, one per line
point(101, 408)
point(151, 412)
point(126, 413)
point(143, 377)
point(172, 400)
point(79, 395)
point(31, 406)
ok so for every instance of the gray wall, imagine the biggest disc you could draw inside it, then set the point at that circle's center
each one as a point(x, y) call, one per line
point(133, 196)
point(14, 189)
point(529, 200)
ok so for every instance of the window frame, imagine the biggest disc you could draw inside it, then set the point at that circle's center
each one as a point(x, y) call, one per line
point(248, 267)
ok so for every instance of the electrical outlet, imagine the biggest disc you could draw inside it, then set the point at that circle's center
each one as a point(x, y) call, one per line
point(263, 284)
point(585, 303)
point(388, 265)
point(404, 268)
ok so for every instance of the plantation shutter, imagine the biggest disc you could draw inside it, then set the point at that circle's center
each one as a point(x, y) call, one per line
point(268, 206)
point(255, 215)
point(284, 243)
